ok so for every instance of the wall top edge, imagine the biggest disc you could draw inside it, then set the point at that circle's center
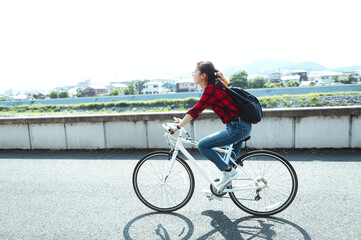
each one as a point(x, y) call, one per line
point(168, 116)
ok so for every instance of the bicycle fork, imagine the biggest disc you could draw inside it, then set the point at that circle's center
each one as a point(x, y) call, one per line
point(172, 161)
point(172, 158)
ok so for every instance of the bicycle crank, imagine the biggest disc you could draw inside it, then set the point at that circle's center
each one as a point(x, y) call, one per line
point(221, 192)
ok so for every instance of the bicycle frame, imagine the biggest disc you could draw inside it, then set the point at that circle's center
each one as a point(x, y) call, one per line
point(178, 146)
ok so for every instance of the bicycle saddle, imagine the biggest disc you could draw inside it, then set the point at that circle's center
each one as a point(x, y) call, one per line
point(246, 139)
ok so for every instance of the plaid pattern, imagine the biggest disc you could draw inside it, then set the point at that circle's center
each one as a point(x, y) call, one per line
point(219, 101)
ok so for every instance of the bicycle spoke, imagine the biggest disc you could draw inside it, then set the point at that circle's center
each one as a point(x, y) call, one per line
point(277, 182)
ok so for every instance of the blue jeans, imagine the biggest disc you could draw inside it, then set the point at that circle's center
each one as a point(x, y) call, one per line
point(235, 132)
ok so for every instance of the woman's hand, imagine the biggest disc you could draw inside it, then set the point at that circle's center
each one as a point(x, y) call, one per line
point(177, 120)
point(173, 127)
point(179, 123)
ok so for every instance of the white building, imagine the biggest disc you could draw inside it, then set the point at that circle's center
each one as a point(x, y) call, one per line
point(325, 77)
point(186, 85)
point(152, 88)
point(357, 74)
point(301, 73)
point(274, 77)
point(21, 97)
point(73, 91)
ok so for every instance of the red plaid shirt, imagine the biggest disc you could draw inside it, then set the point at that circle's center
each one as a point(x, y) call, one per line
point(219, 101)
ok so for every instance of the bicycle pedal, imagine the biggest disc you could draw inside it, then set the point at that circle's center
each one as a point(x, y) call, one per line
point(211, 196)
point(214, 197)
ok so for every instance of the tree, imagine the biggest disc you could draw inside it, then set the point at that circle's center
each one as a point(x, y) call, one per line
point(293, 83)
point(349, 79)
point(239, 79)
point(126, 91)
point(257, 82)
point(274, 85)
point(131, 89)
point(54, 94)
point(63, 94)
point(114, 92)
point(140, 83)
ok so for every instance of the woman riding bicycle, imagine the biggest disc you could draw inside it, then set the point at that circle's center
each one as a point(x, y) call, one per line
point(215, 96)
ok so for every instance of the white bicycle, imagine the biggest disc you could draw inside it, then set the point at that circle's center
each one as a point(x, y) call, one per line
point(163, 181)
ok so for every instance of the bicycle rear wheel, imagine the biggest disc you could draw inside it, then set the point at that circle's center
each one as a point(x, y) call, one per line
point(275, 174)
point(158, 193)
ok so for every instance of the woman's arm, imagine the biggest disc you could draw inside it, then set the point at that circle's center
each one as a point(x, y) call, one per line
point(181, 122)
point(194, 112)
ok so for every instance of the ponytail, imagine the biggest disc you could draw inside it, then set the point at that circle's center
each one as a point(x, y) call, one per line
point(222, 79)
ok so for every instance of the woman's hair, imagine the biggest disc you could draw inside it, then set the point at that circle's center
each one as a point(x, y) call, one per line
point(214, 76)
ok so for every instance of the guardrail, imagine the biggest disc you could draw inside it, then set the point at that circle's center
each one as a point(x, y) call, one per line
point(326, 127)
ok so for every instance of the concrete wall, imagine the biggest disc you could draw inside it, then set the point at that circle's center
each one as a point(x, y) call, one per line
point(331, 127)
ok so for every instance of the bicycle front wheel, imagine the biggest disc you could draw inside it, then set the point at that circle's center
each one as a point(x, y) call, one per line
point(276, 183)
point(157, 190)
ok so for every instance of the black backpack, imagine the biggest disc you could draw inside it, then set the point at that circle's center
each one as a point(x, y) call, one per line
point(251, 108)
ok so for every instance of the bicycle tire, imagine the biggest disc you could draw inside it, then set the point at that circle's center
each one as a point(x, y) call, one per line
point(166, 196)
point(278, 193)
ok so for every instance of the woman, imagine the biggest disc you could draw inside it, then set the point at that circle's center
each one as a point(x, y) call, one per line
point(215, 96)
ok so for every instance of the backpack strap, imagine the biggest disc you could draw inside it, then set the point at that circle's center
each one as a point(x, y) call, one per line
point(230, 110)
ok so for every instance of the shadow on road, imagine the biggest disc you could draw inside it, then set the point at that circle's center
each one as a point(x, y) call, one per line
point(156, 225)
point(252, 227)
point(176, 226)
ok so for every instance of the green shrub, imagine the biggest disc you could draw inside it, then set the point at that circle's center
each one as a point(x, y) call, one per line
point(286, 103)
point(300, 102)
point(272, 103)
point(314, 101)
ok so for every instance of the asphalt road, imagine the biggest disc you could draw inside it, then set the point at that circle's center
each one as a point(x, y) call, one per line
point(89, 195)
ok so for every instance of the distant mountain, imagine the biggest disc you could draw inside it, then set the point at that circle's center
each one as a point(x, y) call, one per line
point(308, 66)
point(347, 69)
point(267, 66)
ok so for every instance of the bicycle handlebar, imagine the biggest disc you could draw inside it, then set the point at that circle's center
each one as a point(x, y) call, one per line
point(167, 128)
point(170, 132)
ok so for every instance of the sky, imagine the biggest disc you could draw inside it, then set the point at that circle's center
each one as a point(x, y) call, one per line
point(47, 43)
